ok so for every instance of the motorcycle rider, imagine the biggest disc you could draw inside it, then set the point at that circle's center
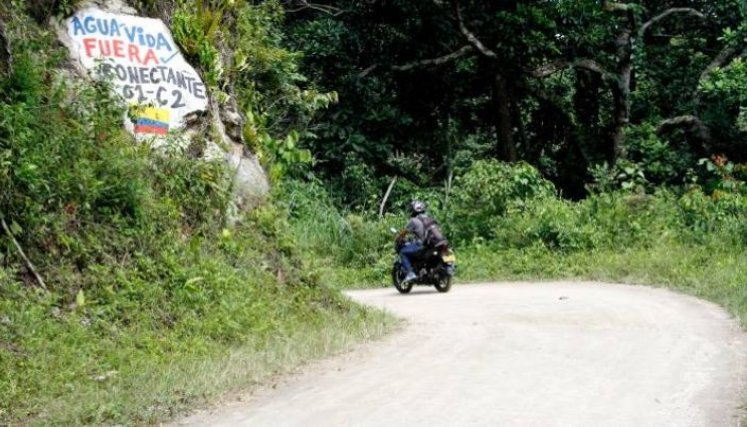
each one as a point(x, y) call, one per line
point(411, 249)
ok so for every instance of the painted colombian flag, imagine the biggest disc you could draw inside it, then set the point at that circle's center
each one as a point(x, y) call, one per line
point(152, 120)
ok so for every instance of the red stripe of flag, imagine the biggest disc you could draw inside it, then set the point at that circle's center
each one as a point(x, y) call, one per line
point(151, 129)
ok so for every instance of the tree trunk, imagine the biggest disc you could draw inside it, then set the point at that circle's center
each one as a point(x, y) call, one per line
point(505, 148)
point(621, 89)
point(516, 94)
point(5, 55)
point(587, 107)
point(619, 122)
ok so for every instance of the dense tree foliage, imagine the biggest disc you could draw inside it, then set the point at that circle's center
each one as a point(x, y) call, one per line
point(577, 88)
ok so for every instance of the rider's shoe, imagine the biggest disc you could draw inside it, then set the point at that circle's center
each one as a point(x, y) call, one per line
point(410, 277)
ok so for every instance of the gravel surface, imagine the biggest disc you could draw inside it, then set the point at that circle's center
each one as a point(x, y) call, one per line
point(520, 354)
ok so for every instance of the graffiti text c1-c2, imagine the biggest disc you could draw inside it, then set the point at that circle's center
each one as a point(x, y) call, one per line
point(164, 97)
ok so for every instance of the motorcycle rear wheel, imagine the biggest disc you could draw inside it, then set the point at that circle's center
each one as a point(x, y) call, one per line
point(398, 275)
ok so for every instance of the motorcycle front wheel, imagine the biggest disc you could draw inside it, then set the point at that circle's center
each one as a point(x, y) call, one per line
point(444, 284)
point(398, 276)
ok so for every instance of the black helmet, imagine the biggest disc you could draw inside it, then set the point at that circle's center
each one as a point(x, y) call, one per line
point(417, 207)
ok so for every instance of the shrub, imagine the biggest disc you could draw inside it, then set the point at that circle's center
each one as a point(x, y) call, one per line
point(488, 190)
point(323, 231)
point(612, 221)
point(660, 162)
point(718, 217)
point(554, 223)
point(625, 219)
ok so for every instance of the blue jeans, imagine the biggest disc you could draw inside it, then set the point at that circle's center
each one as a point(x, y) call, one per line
point(408, 251)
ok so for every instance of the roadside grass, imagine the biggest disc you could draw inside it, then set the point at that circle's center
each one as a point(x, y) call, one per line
point(715, 274)
point(148, 391)
point(712, 272)
point(66, 373)
point(145, 340)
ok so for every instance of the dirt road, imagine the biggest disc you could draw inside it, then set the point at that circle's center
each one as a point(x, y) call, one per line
point(554, 354)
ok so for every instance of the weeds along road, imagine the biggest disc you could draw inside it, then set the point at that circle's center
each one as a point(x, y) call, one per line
point(553, 354)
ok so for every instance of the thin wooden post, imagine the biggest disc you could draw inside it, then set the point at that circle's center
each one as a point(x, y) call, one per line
point(386, 197)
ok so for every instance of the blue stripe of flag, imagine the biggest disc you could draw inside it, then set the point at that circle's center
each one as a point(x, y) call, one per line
point(150, 122)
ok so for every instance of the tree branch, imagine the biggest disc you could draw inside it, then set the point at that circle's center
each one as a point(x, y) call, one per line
point(562, 64)
point(696, 125)
point(616, 7)
point(26, 259)
point(727, 54)
point(686, 10)
point(435, 61)
point(471, 37)
point(368, 70)
point(722, 58)
point(299, 5)
point(464, 50)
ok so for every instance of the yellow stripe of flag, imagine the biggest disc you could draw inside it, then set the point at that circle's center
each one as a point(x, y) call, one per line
point(153, 113)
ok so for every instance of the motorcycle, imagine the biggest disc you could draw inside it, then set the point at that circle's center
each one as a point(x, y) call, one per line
point(433, 266)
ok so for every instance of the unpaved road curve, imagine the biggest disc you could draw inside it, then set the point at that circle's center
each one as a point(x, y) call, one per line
point(552, 354)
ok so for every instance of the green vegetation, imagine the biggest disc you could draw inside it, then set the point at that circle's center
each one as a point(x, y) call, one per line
point(265, 75)
point(621, 125)
point(151, 300)
point(564, 139)
point(689, 240)
point(573, 87)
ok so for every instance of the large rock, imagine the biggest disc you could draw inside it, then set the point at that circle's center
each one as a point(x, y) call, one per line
point(138, 55)
point(250, 184)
